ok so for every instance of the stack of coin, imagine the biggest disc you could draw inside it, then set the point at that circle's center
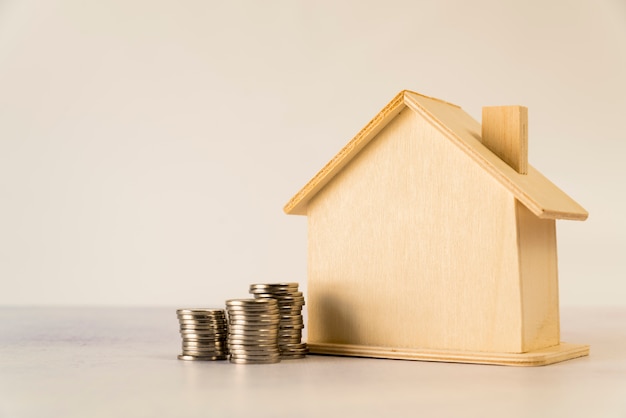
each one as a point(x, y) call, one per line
point(204, 333)
point(253, 331)
point(290, 303)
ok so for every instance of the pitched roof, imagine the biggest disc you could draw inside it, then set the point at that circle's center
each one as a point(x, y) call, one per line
point(533, 190)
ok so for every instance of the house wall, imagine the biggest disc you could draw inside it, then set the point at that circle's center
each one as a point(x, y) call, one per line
point(539, 280)
point(412, 245)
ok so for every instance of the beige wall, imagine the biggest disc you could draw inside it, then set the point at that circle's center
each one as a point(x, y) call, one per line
point(147, 147)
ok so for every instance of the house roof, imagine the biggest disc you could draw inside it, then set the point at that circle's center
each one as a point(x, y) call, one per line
point(533, 190)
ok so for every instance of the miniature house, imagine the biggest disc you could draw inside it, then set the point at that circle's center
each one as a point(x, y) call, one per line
point(431, 238)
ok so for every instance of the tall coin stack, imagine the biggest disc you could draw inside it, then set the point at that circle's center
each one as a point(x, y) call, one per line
point(253, 331)
point(290, 303)
point(204, 333)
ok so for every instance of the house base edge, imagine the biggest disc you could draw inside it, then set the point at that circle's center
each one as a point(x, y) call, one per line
point(563, 351)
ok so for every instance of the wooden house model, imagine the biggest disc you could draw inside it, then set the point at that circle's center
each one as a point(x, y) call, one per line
point(431, 238)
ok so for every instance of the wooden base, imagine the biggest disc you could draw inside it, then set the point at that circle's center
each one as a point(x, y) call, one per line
point(555, 354)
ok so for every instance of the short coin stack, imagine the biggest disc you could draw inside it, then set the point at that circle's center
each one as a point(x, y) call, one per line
point(204, 333)
point(253, 331)
point(290, 303)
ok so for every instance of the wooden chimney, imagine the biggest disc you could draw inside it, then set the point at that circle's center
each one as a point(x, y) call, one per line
point(505, 133)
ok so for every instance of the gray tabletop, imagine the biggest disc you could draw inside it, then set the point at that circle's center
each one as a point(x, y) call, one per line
point(121, 362)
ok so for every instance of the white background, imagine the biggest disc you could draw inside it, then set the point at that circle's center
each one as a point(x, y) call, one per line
point(147, 147)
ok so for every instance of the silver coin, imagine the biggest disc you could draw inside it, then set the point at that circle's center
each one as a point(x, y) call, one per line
point(290, 335)
point(254, 310)
point(254, 323)
point(262, 315)
point(287, 317)
point(203, 326)
point(250, 327)
point(294, 350)
point(201, 358)
point(257, 293)
point(193, 341)
point(240, 352)
point(284, 345)
point(287, 341)
point(204, 353)
point(252, 341)
point(290, 331)
point(249, 330)
point(252, 344)
point(253, 350)
point(209, 337)
point(292, 356)
point(205, 311)
point(281, 285)
point(200, 344)
point(245, 361)
point(290, 310)
point(204, 343)
point(292, 322)
point(221, 349)
point(271, 291)
point(200, 318)
point(204, 347)
point(202, 337)
point(204, 332)
point(200, 315)
point(250, 302)
point(255, 356)
point(217, 330)
point(287, 326)
point(249, 336)
point(296, 304)
point(252, 333)
point(295, 346)
point(281, 297)
point(249, 342)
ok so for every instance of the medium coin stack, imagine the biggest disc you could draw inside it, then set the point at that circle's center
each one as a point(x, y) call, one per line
point(290, 303)
point(253, 331)
point(204, 333)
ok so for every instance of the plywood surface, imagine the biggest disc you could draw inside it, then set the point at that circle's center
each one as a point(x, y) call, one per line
point(543, 357)
point(404, 256)
point(535, 191)
point(538, 279)
point(505, 133)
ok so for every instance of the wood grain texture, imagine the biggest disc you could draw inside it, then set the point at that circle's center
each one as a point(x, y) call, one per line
point(505, 133)
point(535, 191)
point(550, 355)
point(297, 204)
point(414, 245)
point(538, 280)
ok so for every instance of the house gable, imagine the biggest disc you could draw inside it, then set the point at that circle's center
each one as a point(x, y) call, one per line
point(535, 191)
point(391, 220)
